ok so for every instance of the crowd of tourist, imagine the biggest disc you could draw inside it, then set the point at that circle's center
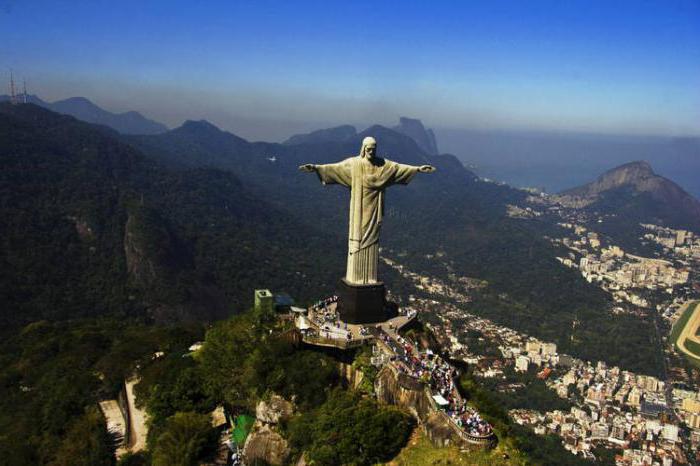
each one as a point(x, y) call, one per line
point(439, 375)
point(325, 303)
point(468, 419)
point(325, 315)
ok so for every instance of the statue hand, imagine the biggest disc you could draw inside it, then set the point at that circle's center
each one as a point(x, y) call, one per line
point(426, 169)
point(307, 167)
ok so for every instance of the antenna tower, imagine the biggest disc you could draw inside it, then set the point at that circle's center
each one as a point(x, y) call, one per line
point(24, 91)
point(13, 96)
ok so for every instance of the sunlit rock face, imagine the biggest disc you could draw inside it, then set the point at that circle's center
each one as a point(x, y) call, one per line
point(274, 410)
point(266, 446)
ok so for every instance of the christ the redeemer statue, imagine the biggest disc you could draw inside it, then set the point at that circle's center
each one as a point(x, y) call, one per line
point(367, 176)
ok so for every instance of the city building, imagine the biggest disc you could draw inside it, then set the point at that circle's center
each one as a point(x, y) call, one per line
point(522, 363)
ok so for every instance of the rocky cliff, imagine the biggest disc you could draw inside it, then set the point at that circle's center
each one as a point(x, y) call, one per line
point(147, 247)
point(414, 129)
point(265, 445)
point(159, 267)
point(352, 376)
point(392, 387)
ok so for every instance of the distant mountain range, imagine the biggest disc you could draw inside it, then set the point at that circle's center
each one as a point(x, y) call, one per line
point(336, 134)
point(410, 127)
point(633, 191)
point(83, 109)
point(184, 224)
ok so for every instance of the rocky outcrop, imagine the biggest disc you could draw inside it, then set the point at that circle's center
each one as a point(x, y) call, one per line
point(393, 387)
point(351, 375)
point(274, 410)
point(266, 445)
point(147, 247)
point(441, 432)
point(414, 129)
point(159, 266)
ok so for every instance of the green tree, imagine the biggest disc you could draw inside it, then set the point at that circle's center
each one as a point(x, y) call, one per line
point(87, 443)
point(227, 346)
point(184, 440)
point(134, 459)
point(349, 429)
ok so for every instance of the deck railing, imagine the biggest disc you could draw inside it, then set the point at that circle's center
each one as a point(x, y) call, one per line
point(335, 342)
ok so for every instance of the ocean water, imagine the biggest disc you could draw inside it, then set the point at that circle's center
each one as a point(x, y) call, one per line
point(559, 161)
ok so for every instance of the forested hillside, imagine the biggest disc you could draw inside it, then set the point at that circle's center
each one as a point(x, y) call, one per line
point(92, 227)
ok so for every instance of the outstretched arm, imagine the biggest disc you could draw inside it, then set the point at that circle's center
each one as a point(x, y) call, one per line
point(403, 174)
point(331, 173)
point(307, 167)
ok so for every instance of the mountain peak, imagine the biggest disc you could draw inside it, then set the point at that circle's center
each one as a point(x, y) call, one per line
point(204, 131)
point(335, 134)
point(79, 100)
point(413, 128)
point(84, 109)
point(638, 175)
point(636, 184)
point(200, 125)
point(636, 168)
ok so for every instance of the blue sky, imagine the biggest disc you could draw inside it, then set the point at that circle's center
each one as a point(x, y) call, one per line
point(265, 69)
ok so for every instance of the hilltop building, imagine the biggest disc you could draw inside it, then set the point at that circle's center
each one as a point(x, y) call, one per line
point(264, 301)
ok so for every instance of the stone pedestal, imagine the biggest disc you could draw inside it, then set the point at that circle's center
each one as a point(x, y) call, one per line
point(363, 304)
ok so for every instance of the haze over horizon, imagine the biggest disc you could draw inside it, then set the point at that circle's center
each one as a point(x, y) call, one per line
point(268, 70)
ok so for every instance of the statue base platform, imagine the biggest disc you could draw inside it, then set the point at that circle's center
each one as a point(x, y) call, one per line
point(363, 304)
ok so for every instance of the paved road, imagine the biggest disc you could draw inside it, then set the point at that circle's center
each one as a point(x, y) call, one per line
point(115, 424)
point(139, 430)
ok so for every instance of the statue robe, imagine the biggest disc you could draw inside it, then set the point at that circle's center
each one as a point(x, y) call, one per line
point(367, 181)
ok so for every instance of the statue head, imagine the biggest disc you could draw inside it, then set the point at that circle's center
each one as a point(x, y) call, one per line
point(369, 147)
